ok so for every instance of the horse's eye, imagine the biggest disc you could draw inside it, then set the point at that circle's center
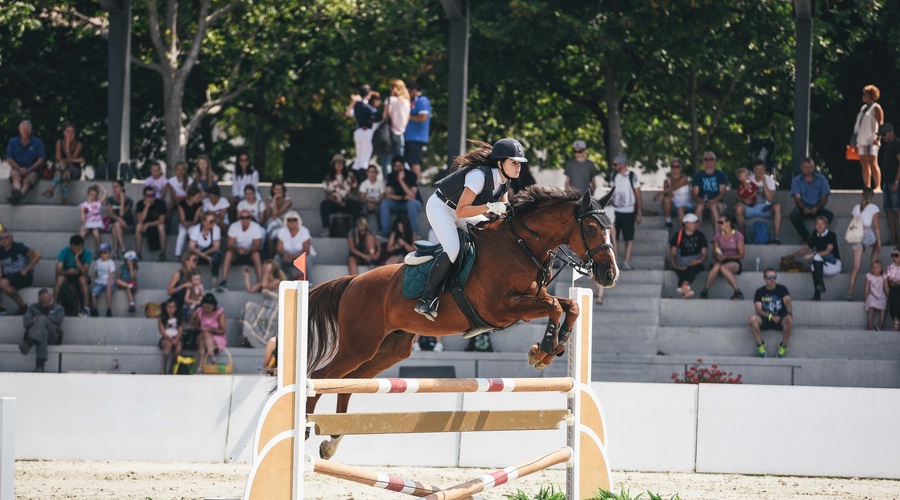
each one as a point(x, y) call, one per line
point(591, 229)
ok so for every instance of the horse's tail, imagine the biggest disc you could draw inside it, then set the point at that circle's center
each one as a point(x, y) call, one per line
point(322, 337)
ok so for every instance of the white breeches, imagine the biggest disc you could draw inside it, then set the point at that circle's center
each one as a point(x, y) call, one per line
point(444, 222)
point(363, 140)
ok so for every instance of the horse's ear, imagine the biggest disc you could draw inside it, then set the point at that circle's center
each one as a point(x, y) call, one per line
point(586, 202)
point(608, 196)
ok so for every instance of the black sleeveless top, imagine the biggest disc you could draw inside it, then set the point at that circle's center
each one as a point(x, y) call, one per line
point(452, 186)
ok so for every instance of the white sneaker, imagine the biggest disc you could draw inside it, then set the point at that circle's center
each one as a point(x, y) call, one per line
point(439, 348)
point(627, 266)
point(679, 290)
point(416, 347)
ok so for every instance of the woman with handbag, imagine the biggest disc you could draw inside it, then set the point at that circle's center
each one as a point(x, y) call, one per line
point(867, 213)
point(865, 136)
point(396, 111)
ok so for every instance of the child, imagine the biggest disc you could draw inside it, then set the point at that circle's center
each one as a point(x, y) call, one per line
point(128, 278)
point(171, 328)
point(746, 190)
point(194, 293)
point(104, 274)
point(876, 295)
point(91, 216)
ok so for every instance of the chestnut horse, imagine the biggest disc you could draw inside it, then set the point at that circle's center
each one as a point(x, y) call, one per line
point(361, 325)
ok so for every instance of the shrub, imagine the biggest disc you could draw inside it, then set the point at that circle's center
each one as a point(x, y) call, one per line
point(712, 375)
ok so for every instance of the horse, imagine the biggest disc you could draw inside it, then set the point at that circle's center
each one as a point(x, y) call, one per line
point(362, 325)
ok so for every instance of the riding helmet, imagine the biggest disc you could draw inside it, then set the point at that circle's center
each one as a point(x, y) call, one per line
point(508, 148)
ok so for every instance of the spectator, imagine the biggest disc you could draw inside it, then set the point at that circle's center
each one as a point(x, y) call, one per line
point(876, 295)
point(810, 192)
point(194, 293)
point(823, 255)
point(17, 263)
point(364, 112)
point(92, 213)
point(210, 320)
point(171, 330)
point(774, 311)
point(363, 247)
point(244, 175)
point(893, 281)
point(270, 359)
point(151, 221)
point(272, 276)
point(890, 167)
point(25, 155)
point(400, 241)
point(69, 162)
point(204, 175)
point(760, 204)
point(177, 190)
point(206, 243)
point(687, 252)
point(243, 245)
point(581, 173)
point(291, 242)
point(253, 204)
point(709, 187)
point(279, 204)
point(417, 130)
point(339, 190)
point(676, 193)
point(865, 132)
point(72, 265)
point(401, 195)
point(627, 204)
point(181, 280)
point(371, 191)
point(218, 205)
point(43, 326)
point(259, 319)
point(189, 210)
point(128, 275)
point(157, 181)
point(868, 212)
point(396, 109)
point(728, 252)
point(103, 271)
point(121, 218)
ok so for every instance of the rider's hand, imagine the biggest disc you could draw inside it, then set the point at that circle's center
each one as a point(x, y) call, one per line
point(497, 208)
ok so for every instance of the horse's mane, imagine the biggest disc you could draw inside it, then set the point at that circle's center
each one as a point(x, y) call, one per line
point(532, 196)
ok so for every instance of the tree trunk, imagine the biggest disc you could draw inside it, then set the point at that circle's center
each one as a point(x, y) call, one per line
point(695, 134)
point(613, 115)
point(176, 133)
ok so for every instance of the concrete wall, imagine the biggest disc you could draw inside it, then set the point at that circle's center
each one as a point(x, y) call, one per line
point(652, 427)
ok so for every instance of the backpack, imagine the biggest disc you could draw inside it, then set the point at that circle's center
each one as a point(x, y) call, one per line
point(759, 235)
point(68, 299)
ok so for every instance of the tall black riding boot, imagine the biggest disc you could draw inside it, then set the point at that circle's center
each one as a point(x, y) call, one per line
point(428, 304)
point(818, 279)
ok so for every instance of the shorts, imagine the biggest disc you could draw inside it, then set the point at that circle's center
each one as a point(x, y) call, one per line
point(97, 288)
point(871, 150)
point(770, 325)
point(761, 210)
point(237, 258)
point(891, 198)
point(625, 225)
point(685, 204)
point(19, 281)
point(739, 263)
point(414, 152)
point(868, 239)
point(31, 177)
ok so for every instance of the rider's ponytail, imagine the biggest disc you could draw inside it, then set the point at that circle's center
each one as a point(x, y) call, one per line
point(480, 156)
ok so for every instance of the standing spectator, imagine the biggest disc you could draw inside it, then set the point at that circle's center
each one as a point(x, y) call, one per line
point(128, 275)
point(396, 108)
point(218, 205)
point(291, 242)
point(245, 174)
point(865, 130)
point(69, 162)
point(25, 155)
point(687, 253)
point(339, 189)
point(364, 112)
point(177, 190)
point(103, 271)
point(823, 255)
point(417, 130)
point(676, 193)
point(728, 252)
point(773, 311)
point(876, 295)
point(371, 191)
point(890, 167)
point(400, 242)
point(761, 205)
point(210, 320)
point(401, 195)
point(363, 246)
point(253, 204)
point(244, 243)
point(43, 326)
point(204, 175)
point(17, 263)
point(206, 244)
point(189, 210)
point(627, 204)
point(92, 213)
point(709, 187)
point(151, 220)
point(279, 204)
point(157, 180)
point(171, 330)
point(810, 191)
point(868, 212)
point(72, 265)
point(121, 217)
point(893, 281)
point(581, 173)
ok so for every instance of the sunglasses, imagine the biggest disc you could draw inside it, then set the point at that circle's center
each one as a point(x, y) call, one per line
point(721, 222)
point(674, 165)
point(245, 217)
point(149, 195)
point(292, 220)
point(771, 276)
point(709, 159)
point(895, 255)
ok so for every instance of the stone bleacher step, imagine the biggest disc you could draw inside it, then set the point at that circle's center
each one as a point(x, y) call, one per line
point(616, 340)
point(725, 313)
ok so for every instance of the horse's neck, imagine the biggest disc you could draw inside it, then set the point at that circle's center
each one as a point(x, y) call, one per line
point(550, 224)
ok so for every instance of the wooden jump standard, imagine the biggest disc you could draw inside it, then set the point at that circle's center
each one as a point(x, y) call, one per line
point(276, 473)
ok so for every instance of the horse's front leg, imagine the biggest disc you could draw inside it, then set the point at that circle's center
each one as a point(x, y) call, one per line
point(529, 307)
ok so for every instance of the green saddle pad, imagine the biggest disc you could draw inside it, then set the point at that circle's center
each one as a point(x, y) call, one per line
point(416, 277)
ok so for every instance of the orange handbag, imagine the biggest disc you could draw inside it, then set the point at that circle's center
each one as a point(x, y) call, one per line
point(852, 153)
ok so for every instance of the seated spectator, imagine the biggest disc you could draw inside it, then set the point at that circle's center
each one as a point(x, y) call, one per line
point(773, 311)
point(43, 326)
point(728, 252)
point(72, 265)
point(204, 175)
point(893, 282)
point(189, 210)
point(195, 292)
point(259, 319)
point(709, 187)
point(687, 252)
point(69, 162)
point(822, 255)
point(121, 217)
point(363, 246)
point(253, 204)
point(17, 263)
point(219, 206)
point(340, 188)
point(180, 281)
point(104, 274)
point(270, 359)
point(400, 242)
point(810, 191)
point(676, 193)
point(177, 188)
point(210, 321)
point(279, 204)
point(92, 213)
point(371, 191)
point(171, 330)
point(25, 156)
point(272, 276)
point(206, 244)
point(128, 275)
point(292, 241)
point(151, 221)
point(868, 212)
point(758, 201)
point(401, 195)
point(243, 246)
point(158, 181)
point(245, 174)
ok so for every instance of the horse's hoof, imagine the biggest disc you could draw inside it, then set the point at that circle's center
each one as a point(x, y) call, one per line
point(539, 366)
point(534, 355)
point(325, 450)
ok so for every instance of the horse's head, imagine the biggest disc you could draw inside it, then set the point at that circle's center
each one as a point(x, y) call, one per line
point(593, 241)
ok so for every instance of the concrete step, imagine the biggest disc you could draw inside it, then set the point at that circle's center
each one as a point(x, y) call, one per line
point(734, 313)
point(800, 285)
point(617, 340)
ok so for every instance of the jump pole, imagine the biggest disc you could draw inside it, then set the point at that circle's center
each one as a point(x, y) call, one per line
point(279, 440)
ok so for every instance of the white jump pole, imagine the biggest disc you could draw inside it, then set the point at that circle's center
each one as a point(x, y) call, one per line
point(7, 447)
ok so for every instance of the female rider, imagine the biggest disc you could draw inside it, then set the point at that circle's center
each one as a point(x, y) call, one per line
point(478, 185)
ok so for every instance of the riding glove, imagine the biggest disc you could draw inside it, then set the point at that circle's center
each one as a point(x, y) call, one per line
point(497, 208)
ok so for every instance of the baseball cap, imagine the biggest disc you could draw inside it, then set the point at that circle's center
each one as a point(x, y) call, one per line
point(105, 247)
point(690, 218)
point(338, 158)
point(131, 255)
point(885, 128)
point(579, 145)
point(620, 159)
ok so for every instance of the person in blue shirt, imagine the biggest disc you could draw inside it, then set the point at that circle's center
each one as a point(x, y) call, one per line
point(25, 155)
point(708, 187)
point(810, 191)
point(417, 129)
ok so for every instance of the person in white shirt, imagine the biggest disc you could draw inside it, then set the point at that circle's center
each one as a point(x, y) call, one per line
point(157, 179)
point(218, 205)
point(765, 207)
point(104, 273)
point(371, 191)
point(206, 243)
point(291, 241)
point(626, 204)
point(245, 239)
point(868, 212)
point(253, 204)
